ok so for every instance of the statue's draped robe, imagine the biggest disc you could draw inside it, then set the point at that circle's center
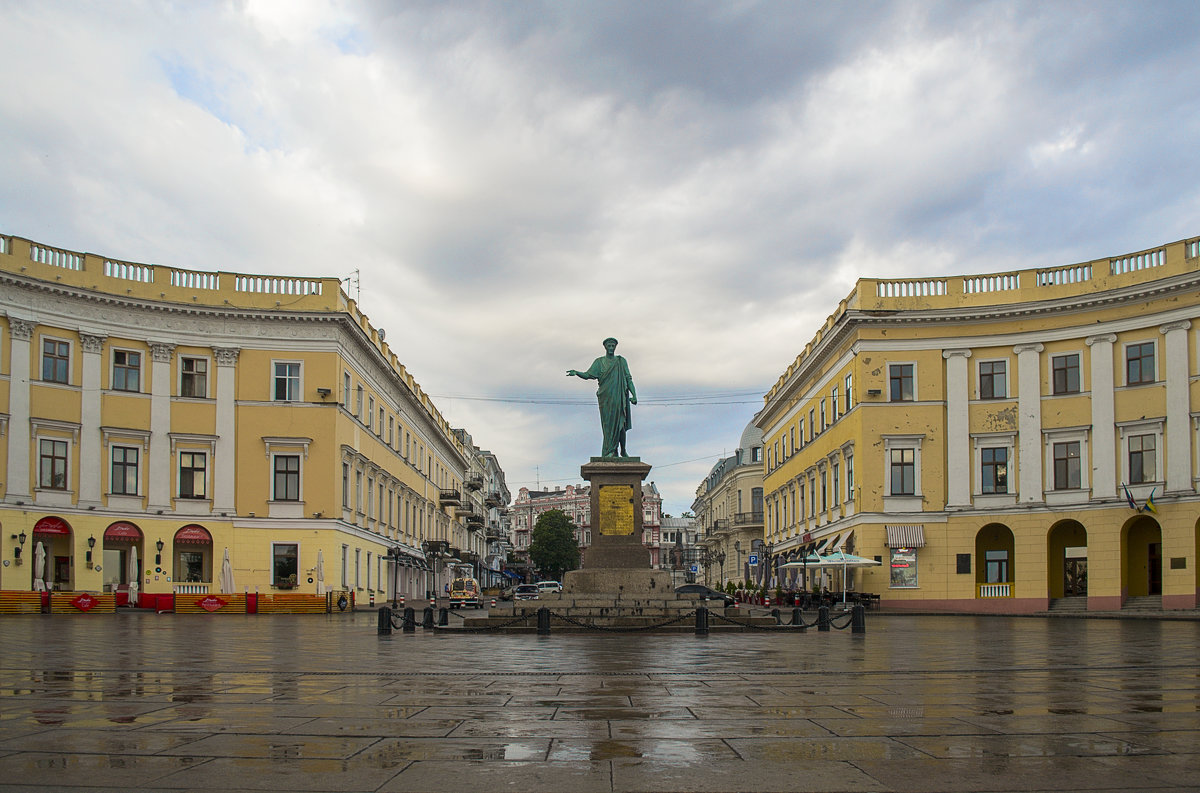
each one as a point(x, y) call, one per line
point(612, 393)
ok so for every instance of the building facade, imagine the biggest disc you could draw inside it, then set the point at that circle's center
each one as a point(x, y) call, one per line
point(729, 515)
point(156, 419)
point(999, 442)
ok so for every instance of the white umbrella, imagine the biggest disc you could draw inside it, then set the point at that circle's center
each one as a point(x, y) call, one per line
point(135, 575)
point(844, 561)
point(226, 574)
point(39, 564)
point(320, 572)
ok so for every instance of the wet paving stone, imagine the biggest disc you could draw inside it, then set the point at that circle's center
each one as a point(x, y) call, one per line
point(170, 703)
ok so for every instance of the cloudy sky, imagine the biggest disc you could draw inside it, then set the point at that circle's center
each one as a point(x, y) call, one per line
point(513, 182)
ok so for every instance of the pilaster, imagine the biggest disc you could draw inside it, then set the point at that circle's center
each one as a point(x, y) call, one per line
point(91, 450)
point(1104, 435)
point(225, 464)
point(958, 428)
point(1029, 422)
point(17, 489)
point(159, 477)
point(1178, 455)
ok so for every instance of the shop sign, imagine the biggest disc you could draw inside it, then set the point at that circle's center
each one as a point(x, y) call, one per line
point(212, 603)
point(52, 525)
point(84, 602)
point(123, 530)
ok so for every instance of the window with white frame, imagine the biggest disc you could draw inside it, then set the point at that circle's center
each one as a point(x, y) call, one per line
point(286, 376)
point(834, 404)
point(994, 467)
point(52, 463)
point(123, 478)
point(902, 382)
point(1139, 363)
point(849, 475)
point(126, 370)
point(903, 465)
point(285, 565)
point(849, 384)
point(193, 377)
point(379, 432)
point(370, 411)
point(56, 361)
point(346, 390)
point(285, 469)
point(358, 402)
point(345, 567)
point(345, 485)
point(993, 379)
point(1142, 457)
point(1067, 465)
point(835, 472)
point(193, 474)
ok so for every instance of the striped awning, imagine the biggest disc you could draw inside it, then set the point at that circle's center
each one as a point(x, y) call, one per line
point(906, 536)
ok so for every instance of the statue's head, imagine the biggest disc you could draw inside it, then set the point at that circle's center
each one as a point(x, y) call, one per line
point(610, 344)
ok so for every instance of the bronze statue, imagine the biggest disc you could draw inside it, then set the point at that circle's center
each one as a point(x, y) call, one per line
point(615, 393)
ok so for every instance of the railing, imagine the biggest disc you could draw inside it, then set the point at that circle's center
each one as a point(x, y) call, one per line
point(192, 589)
point(190, 279)
point(142, 273)
point(996, 590)
point(1071, 274)
point(276, 286)
point(55, 257)
point(1003, 282)
point(918, 288)
point(1139, 261)
point(747, 518)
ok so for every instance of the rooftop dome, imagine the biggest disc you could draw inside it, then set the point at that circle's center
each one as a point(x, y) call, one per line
point(751, 437)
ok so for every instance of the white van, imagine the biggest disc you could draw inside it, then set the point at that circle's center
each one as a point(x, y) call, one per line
point(549, 587)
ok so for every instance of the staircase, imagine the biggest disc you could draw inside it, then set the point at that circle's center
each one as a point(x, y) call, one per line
point(1069, 604)
point(1144, 603)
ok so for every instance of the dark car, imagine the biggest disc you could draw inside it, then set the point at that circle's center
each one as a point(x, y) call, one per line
point(705, 592)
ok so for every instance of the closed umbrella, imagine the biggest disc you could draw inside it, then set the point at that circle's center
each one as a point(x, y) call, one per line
point(320, 572)
point(135, 575)
point(226, 574)
point(39, 567)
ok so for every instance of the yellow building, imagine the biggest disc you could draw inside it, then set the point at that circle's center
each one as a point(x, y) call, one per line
point(984, 437)
point(156, 419)
point(729, 515)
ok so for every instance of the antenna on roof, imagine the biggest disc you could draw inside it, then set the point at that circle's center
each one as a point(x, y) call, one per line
point(353, 280)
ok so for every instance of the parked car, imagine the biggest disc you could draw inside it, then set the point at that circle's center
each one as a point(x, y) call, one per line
point(465, 592)
point(705, 592)
point(526, 592)
point(549, 587)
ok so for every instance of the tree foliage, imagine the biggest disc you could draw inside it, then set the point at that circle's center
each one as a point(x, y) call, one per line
point(553, 549)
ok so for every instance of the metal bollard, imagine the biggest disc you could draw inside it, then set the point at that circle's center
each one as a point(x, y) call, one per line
point(401, 599)
point(433, 603)
point(385, 621)
point(823, 618)
point(493, 603)
point(798, 618)
point(427, 617)
point(702, 621)
point(410, 620)
point(543, 624)
point(775, 614)
point(443, 616)
point(858, 619)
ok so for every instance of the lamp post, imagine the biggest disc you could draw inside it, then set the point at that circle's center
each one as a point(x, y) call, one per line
point(768, 573)
point(20, 538)
point(158, 558)
point(88, 557)
point(719, 558)
point(737, 546)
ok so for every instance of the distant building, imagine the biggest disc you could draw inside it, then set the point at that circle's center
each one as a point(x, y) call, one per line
point(729, 514)
point(1011, 442)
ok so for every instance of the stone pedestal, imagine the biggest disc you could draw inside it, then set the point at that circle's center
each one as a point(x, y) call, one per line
point(616, 562)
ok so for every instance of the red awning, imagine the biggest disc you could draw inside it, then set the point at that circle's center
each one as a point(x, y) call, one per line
point(123, 531)
point(193, 535)
point(52, 525)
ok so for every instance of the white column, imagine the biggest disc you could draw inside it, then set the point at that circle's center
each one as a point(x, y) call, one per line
point(1178, 456)
point(160, 426)
point(91, 451)
point(17, 488)
point(1104, 421)
point(1029, 422)
point(225, 465)
point(958, 428)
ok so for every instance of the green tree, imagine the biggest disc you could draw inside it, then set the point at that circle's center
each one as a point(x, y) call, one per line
point(553, 549)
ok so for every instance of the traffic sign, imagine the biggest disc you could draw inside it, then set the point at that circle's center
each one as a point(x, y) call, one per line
point(694, 568)
point(753, 559)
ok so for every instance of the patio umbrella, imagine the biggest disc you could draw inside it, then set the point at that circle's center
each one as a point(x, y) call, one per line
point(39, 567)
point(320, 572)
point(226, 574)
point(845, 561)
point(135, 575)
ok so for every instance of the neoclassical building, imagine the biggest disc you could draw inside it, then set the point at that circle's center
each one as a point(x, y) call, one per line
point(154, 419)
point(1010, 442)
point(729, 515)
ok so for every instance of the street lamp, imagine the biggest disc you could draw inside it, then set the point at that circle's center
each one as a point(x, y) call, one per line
point(737, 546)
point(88, 556)
point(719, 558)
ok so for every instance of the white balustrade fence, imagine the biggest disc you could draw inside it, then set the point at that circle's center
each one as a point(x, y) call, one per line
point(919, 288)
point(1139, 261)
point(130, 272)
point(189, 279)
point(55, 257)
point(1003, 282)
point(1071, 274)
point(276, 286)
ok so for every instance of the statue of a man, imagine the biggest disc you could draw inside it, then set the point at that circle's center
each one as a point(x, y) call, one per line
point(615, 393)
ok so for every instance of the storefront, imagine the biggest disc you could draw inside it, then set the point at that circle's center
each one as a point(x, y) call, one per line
point(53, 555)
point(122, 554)
point(191, 556)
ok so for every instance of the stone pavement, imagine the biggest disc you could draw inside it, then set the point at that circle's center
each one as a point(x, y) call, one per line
point(322, 703)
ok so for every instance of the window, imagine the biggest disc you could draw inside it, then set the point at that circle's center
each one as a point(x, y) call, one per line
point(56, 360)
point(193, 377)
point(345, 485)
point(345, 567)
point(903, 464)
point(996, 566)
point(192, 566)
point(849, 478)
point(358, 402)
point(287, 382)
point(900, 382)
point(812, 497)
point(824, 422)
point(285, 564)
point(346, 389)
point(756, 454)
point(368, 570)
point(127, 369)
point(1066, 466)
point(124, 478)
point(904, 568)
point(833, 404)
point(793, 433)
point(407, 438)
point(1139, 363)
point(52, 468)
point(380, 431)
point(812, 424)
point(824, 490)
point(993, 379)
point(370, 493)
point(358, 477)
point(1141, 459)
point(391, 429)
point(1064, 370)
point(995, 470)
point(370, 411)
point(849, 388)
point(801, 432)
point(358, 568)
point(287, 477)
point(192, 474)
point(837, 485)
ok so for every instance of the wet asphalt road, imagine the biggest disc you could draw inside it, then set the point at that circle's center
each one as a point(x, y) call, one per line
point(322, 703)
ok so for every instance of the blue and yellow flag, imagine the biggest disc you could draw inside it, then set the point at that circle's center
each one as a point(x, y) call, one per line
point(1150, 503)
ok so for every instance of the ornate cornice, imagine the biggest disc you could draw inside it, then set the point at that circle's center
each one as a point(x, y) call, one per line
point(91, 342)
point(227, 356)
point(162, 352)
point(21, 328)
point(1182, 324)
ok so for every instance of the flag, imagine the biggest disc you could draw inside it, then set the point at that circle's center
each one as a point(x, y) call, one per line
point(1149, 507)
point(1132, 504)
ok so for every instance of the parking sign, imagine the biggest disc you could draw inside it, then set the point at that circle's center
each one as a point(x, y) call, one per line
point(753, 558)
